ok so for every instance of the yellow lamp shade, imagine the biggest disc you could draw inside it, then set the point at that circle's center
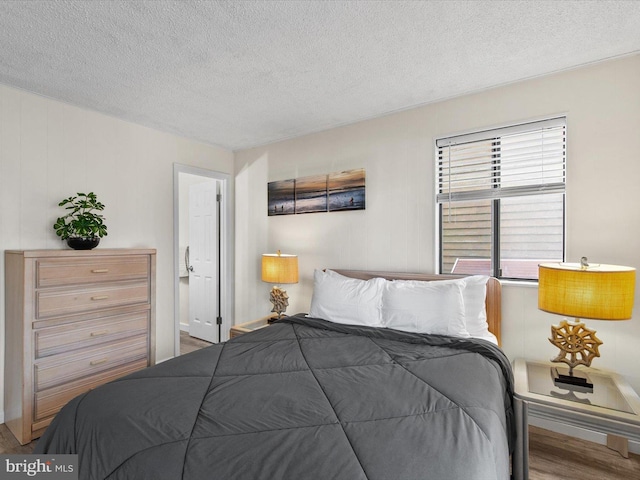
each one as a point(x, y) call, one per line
point(599, 292)
point(279, 268)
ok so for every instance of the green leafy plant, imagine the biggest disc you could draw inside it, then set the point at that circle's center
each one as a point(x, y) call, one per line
point(81, 221)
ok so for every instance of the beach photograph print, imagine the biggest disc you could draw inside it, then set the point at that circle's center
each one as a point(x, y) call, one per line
point(346, 190)
point(281, 197)
point(311, 194)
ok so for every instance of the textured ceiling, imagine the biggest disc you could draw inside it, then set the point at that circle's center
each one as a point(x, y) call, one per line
point(245, 73)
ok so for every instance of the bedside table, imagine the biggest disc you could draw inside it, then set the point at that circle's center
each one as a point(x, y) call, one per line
point(612, 408)
point(247, 327)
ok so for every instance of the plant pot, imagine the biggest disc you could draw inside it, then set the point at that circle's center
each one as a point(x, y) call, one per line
point(80, 243)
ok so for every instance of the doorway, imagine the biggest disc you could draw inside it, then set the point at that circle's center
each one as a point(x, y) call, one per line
point(203, 288)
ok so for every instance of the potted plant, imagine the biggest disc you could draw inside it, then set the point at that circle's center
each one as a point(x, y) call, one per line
point(82, 228)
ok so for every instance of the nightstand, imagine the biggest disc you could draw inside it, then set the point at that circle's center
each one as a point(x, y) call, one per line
point(613, 408)
point(247, 327)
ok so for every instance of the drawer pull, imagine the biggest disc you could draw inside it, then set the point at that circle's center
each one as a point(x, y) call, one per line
point(100, 297)
point(100, 333)
point(100, 270)
point(98, 362)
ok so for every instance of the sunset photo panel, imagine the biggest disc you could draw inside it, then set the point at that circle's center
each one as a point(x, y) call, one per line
point(318, 193)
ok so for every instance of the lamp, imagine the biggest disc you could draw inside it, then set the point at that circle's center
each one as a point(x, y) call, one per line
point(278, 268)
point(599, 292)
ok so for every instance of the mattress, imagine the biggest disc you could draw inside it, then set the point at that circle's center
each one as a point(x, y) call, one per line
point(301, 399)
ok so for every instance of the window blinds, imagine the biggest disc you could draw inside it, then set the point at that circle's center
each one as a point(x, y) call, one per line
point(526, 159)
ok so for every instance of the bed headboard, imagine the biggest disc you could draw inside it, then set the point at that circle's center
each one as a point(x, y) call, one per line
point(493, 300)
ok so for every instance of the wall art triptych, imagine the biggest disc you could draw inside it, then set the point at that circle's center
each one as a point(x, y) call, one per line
point(319, 193)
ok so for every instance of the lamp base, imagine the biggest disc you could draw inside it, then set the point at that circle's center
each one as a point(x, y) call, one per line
point(279, 299)
point(578, 344)
point(573, 381)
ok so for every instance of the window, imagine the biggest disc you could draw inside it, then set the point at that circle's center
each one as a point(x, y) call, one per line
point(500, 200)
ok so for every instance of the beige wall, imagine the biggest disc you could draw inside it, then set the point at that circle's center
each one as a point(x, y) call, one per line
point(50, 150)
point(396, 231)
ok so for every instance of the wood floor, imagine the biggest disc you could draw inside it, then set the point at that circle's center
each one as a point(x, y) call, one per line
point(189, 344)
point(9, 444)
point(557, 457)
point(551, 456)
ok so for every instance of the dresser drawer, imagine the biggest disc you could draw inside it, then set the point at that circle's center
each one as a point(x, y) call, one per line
point(49, 402)
point(67, 367)
point(52, 302)
point(76, 335)
point(80, 271)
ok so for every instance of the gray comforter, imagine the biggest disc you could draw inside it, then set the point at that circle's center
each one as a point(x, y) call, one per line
point(301, 399)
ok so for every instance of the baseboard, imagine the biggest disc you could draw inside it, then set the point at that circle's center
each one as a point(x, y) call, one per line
point(184, 327)
point(163, 359)
point(577, 432)
point(1, 416)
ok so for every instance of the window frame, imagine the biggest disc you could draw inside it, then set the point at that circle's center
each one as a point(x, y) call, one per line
point(478, 136)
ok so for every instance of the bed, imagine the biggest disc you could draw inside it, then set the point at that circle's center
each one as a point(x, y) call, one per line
point(311, 398)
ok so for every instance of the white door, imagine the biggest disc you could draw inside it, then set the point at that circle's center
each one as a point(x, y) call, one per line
point(204, 261)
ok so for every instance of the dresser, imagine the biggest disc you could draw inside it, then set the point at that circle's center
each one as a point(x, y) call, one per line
point(73, 320)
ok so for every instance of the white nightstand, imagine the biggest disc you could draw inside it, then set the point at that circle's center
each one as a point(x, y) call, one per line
point(247, 327)
point(613, 408)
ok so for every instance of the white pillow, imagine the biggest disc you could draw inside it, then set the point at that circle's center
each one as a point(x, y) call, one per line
point(424, 307)
point(474, 292)
point(341, 299)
